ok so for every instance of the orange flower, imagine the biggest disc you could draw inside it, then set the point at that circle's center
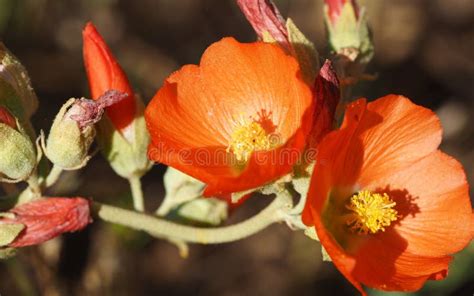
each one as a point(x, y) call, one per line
point(385, 201)
point(237, 121)
point(104, 73)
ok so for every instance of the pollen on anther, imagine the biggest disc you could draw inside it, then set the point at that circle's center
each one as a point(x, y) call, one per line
point(247, 138)
point(370, 212)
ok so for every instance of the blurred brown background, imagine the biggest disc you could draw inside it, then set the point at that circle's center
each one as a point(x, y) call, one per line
point(424, 50)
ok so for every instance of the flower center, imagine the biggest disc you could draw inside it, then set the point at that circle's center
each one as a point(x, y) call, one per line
point(371, 212)
point(247, 138)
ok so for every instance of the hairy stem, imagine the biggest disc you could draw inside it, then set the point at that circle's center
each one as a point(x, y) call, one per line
point(53, 176)
point(137, 194)
point(165, 229)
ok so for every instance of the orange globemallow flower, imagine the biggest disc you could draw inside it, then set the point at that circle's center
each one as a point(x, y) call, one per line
point(104, 73)
point(384, 200)
point(236, 121)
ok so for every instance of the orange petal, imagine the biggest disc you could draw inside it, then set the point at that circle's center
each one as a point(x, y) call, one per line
point(245, 79)
point(432, 196)
point(394, 133)
point(104, 73)
point(385, 264)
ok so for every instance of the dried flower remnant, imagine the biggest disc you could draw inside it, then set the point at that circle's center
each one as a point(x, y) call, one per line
point(47, 218)
point(265, 18)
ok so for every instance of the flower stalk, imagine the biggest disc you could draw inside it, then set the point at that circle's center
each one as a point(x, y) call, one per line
point(137, 193)
point(274, 212)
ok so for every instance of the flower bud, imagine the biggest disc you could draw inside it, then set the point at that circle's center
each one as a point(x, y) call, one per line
point(348, 30)
point(17, 152)
point(43, 219)
point(73, 130)
point(122, 134)
point(19, 96)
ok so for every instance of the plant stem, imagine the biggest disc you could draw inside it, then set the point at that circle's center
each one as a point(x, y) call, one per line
point(53, 176)
point(137, 194)
point(165, 229)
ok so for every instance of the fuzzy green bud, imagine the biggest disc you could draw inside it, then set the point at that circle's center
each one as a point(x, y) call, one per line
point(73, 130)
point(68, 144)
point(17, 152)
point(349, 33)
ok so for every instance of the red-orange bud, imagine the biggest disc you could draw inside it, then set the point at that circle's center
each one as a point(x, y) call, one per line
point(104, 73)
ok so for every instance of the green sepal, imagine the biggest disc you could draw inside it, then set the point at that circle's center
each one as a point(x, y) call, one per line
point(325, 254)
point(180, 188)
point(9, 232)
point(204, 211)
point(304, 51)
point(127, 158)
point(184, 201)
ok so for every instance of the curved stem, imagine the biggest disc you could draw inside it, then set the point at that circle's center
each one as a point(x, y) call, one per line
point(166, 229)
point(137, 194)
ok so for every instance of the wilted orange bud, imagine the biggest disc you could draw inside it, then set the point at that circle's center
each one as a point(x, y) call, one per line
point(264, 16)
point(104, 73)
point(47, 218)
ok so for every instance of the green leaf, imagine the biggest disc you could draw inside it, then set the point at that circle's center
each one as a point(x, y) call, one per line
point(304, 51)
point(8, 233)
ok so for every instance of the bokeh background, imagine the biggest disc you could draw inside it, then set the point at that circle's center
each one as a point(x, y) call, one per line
point(424, 50)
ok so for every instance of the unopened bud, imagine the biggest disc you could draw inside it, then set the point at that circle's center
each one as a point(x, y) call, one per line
point(23, 101)
point(73, 131)
point(348, 30)
point(43, 219)
point(17, 152)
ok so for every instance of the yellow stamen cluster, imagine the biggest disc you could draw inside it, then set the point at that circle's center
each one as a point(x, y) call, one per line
point(247, 138)
point(372, 212)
